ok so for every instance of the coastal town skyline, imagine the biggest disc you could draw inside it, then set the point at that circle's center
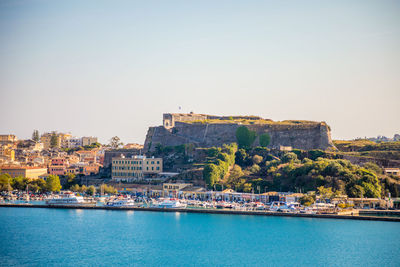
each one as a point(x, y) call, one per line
point(109, 70)
point(199, 133)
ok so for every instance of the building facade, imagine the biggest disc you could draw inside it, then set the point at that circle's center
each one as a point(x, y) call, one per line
point(26, 172)
point(135, 168)
point(88, 140)
point(8, 138)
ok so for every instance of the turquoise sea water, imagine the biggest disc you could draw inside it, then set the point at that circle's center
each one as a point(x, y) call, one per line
point(39, 237)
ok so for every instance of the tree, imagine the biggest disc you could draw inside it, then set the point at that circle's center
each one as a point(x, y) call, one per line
point(53, 183)
point(70, 180)
point(289, 157)
point(241, 158)
point(373, 167)
point(83, 189)
point(75, 188)
point(91, 190)
point(211, 174)
point(325, 193)
point(264, 139)
point(38, 185)
point(255, 169)
point(115, 142)
point(235, 174)
point(245, 137)
point(257, 159)
point(5, 182)
point(108, 189)
point(247, 187)
point(54, 140)
point(35, 136)
point(19, 183)
point(307, 200)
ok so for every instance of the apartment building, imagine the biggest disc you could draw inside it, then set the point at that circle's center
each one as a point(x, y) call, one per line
point(135, 168)
point(7, 153)
point(62, 139)
point(7, 138)
point(88, 140)
point(26, 171)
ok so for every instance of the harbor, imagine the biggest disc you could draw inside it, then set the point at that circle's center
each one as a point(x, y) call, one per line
point(363, 215)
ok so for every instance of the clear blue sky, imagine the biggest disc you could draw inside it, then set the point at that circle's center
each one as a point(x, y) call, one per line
point(108, 68)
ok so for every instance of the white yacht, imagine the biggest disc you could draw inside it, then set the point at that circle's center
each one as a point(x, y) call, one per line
point(171, 203)
point(126, 202)
point(69, 199)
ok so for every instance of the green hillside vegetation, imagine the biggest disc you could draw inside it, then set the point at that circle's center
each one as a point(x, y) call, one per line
point(367, 148)
point(220, 160)
point(262, 170)
point(361, 145)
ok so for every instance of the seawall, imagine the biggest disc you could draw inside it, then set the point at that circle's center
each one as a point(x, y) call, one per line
point(206, 211)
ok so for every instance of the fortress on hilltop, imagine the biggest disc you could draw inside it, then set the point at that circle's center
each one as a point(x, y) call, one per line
point(208, 130)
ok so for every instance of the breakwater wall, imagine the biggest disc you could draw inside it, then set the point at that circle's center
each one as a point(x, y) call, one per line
point(212, 211)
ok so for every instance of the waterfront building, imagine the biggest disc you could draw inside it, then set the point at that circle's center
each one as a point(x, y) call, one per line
point(392, 171)
point(173, 189)
point(26, 171)
point(114, 153)
point(135, 168)
point(370, 203)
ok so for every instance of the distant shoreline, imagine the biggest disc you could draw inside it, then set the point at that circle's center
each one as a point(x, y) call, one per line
point(213, 211)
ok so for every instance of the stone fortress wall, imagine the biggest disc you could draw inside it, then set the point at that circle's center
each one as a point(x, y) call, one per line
point(208, 130)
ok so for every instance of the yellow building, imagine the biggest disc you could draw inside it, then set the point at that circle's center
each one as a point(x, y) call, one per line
point(7, 153)
point(135, 168)
point(62, 139)
point(26, 172)
point(8, 138)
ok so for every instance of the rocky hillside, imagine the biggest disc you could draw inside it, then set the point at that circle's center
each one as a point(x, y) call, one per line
point(216, 132)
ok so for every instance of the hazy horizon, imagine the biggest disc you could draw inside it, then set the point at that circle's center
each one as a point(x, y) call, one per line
point(102, 68)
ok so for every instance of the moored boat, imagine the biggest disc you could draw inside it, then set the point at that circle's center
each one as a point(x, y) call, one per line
point(69, 199)
point(126, 202)
point(171, 203)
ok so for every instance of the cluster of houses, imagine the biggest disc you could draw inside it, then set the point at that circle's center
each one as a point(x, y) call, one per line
point(36, 159)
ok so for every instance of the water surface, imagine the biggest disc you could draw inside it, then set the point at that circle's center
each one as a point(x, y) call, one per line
point(67, 237)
